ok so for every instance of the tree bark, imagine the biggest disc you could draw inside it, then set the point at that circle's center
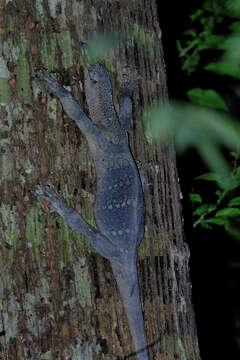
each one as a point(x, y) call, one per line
point(58, 298)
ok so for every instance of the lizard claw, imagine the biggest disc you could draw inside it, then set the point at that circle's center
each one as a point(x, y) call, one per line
point(49, 83)
point(47, 192)
point(39, 195)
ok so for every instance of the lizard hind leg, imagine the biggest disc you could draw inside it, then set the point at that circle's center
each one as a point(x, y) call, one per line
point(101, 243)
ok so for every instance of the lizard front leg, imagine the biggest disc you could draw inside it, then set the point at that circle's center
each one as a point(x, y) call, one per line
point(125, 111)
point(100, 242)
point(125, 106)
point(129, 79)
point(70, 105)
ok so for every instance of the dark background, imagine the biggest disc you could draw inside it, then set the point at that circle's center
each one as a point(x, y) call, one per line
point(215, 256)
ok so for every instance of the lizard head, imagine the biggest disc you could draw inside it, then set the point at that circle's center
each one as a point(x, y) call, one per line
point(98, 74)
point(98, 91)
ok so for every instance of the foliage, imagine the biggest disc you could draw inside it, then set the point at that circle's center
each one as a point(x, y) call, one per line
point(209, 98)
point(202, 36)
point(194, 127)
point(200, 126)
point(225, 211)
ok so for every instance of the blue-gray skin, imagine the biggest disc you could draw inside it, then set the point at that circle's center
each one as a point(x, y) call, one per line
point(119, 207)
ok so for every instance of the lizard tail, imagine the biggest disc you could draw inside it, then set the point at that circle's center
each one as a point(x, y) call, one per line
point(127, 281)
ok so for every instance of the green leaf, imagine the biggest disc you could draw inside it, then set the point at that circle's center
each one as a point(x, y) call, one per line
point(214, 159)
point(235, 26)
point(234, 202)
point(237, 174)
point(228, 212)
point(202, 46)
point(198, 13)
point(179, 47)
point(225, 68)
point(191, 62)
point(234, 232)
point(234, 154)
point(205, 225)
point(233, 7)
point(194, 126)
point(195, 197)
point(208, 98)
point(213, 40)
point(191, 32)
point(203, 21)
point(204, 209)
point(234, 185)
point(218, 193)
point(231, 47)
point(210, 176)
point(221, 222)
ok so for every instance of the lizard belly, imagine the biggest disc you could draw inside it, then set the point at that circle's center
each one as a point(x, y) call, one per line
point(119, 203)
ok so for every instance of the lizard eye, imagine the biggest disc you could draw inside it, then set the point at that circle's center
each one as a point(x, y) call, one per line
point(93, 78)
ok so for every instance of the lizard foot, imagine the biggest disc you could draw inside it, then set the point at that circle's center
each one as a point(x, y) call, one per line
point(50, 83)
point(47, 192)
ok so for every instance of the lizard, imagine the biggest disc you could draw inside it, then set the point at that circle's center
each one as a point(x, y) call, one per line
point(119, 205)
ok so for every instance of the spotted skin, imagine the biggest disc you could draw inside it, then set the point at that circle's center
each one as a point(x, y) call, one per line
point(119, 207)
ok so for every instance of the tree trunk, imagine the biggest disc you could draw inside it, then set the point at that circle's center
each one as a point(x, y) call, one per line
point(58, 298)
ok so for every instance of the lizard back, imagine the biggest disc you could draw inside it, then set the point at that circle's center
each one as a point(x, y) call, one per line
point(119, 203)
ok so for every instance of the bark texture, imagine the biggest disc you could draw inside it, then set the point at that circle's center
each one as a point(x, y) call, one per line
point(58, 298)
